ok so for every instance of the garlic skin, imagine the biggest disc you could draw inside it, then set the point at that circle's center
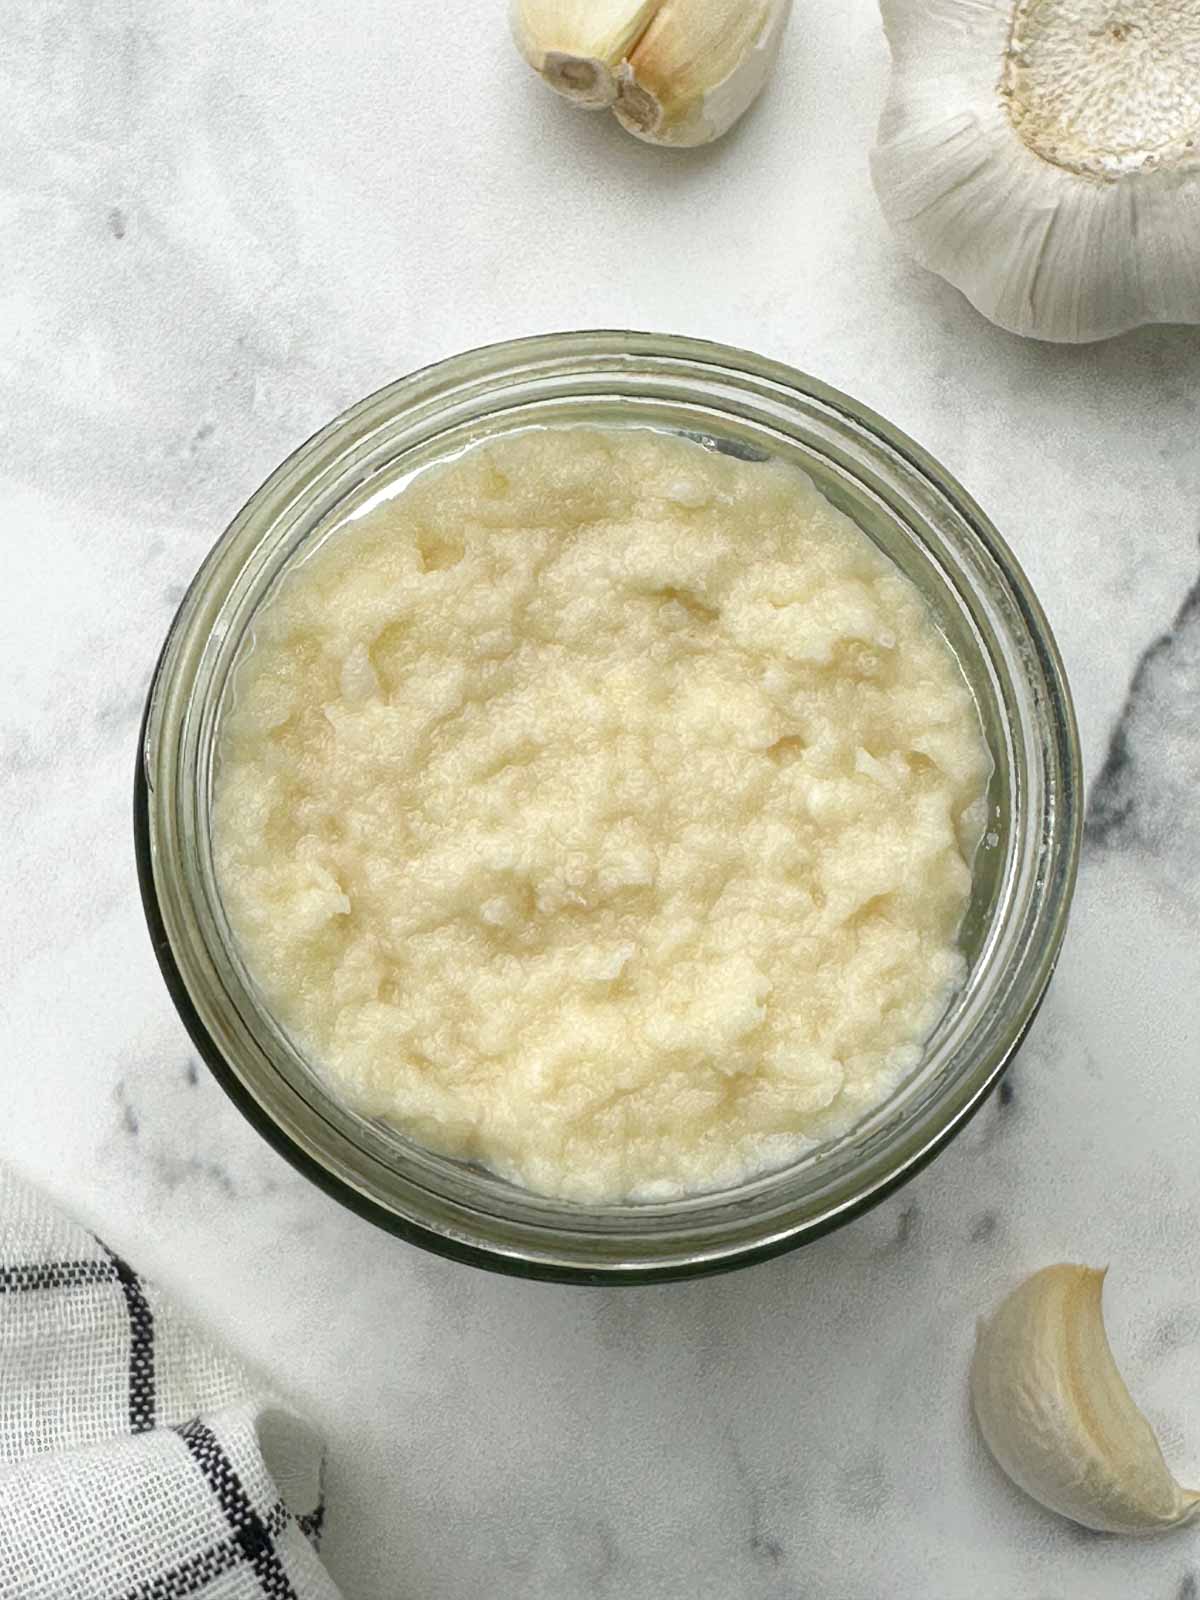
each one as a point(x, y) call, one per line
point(577, 45)
point(1055, 1413)
point(673, 72)
point(1044, 157)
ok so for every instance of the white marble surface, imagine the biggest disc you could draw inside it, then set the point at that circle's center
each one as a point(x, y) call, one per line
point(226, 219)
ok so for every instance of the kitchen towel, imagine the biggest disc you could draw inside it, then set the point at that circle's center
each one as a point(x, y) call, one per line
point(137, 1460)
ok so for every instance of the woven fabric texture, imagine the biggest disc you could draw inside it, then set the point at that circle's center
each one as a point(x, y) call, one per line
point(138, 1461)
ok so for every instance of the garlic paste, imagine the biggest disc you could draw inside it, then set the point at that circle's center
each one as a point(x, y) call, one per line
point(600, 808)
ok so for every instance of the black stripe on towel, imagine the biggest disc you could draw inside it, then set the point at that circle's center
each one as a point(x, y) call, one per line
point(55, 1275)
point(250, 1532)
point(312, 1524)
point(190, 1577)
point(193, 1576)
point(141, 1346)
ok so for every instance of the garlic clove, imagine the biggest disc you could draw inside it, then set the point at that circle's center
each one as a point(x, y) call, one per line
point(1044, 157)
point(577, 45)
point(1055, 1413)
point(674, 72)
point(698, 68)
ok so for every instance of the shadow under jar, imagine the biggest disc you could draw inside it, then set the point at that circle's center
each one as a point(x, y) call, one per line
point(915, 513)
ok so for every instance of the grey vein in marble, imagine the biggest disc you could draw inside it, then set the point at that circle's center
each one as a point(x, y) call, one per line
point(1147, 795)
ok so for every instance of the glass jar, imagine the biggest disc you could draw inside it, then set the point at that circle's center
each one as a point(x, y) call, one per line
point(1024, 873)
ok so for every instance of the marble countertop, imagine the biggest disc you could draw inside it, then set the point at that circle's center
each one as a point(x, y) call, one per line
point(224, 222)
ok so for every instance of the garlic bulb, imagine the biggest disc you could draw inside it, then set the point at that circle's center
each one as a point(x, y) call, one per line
point(1044, 156)
point(1056, 1414)
point(674, 72)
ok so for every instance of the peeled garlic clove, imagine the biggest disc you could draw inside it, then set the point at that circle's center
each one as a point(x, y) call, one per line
point(1044, 156)
point(1055, 1412)
point(675, 72)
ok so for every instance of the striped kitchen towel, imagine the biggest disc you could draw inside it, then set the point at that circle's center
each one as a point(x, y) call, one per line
point(137, 1460)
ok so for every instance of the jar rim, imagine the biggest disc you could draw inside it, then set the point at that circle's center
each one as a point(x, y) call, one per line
point(494, 385)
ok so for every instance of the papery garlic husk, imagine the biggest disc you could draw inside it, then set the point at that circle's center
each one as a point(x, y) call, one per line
point(1044, 156)
point(1055, 1412)
point(674, 72)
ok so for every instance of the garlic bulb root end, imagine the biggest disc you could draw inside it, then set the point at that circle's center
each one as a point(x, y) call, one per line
point(1045, 158)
